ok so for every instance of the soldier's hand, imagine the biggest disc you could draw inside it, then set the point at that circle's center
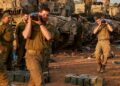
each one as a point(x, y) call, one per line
point(37, 22)
point(100, 23)
point(107, 23)
point(29, 19)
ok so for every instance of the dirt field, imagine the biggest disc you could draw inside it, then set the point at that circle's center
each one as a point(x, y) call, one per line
point(80, 64)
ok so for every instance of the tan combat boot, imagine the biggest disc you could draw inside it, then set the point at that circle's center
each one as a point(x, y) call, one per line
point(99, 67)
point(103, 68)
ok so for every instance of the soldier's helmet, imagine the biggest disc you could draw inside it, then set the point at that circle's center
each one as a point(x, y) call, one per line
point(6, 14)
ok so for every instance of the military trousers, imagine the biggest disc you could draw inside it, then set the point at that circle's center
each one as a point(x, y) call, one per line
point(102, 51)
point(46, 57)
point(34, 65)
point(3, 76)
point(4, 81)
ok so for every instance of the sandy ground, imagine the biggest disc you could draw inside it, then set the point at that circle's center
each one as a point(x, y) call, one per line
point(80, 64)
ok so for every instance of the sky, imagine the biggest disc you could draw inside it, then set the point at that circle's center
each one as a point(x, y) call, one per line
point(112, 1)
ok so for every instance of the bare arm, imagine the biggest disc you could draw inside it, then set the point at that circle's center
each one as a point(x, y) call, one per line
point(27, 31)
point(96, 29)
point(109, 27)
point(45, 32)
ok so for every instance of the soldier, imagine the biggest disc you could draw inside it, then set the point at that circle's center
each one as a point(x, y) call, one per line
point(21, 42)
point(69, 7)
point(6, 38)
point(37, 42)
point(102, 31)
point(106, 4)
point(88, 4)
point(11, 60)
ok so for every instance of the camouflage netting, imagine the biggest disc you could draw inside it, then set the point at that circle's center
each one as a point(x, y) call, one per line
point(64, 24)
point(68, 27)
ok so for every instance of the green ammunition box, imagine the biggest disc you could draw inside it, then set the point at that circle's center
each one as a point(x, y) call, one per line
point(87, 81)
point(81, 81)
point(68, 78)
point(74, 80)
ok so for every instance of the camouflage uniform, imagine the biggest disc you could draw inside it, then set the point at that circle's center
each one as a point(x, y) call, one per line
point(103, 46)
point(6, 38)
point(88, 4)
point(37, 54)
point(21, 44)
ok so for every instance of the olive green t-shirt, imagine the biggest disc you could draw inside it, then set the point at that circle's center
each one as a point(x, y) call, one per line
point(104, 33)
point(37, 41)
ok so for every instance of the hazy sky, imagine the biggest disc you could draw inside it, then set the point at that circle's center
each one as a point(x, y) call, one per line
point(112, 1)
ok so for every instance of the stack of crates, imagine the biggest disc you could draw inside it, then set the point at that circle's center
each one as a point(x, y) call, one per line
point(84, 80)
point(18, 76)
point(23, 76)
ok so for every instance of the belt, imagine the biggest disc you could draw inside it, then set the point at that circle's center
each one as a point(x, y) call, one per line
point(103, 39)
point(34, 51)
